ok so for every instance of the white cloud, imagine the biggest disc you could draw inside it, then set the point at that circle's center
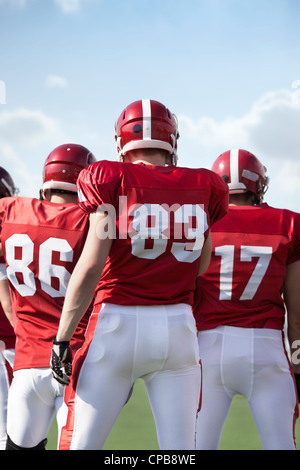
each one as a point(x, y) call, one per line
point(270, 129)
point(27, 180)
point(271, 125)
point(26, 138)
point(56, 81)
point(26, 127)
point(211, 133)
point(287, 180)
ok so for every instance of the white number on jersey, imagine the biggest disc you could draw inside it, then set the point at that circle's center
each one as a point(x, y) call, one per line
point(152, 222)
point(26, 285)
point(247, 253)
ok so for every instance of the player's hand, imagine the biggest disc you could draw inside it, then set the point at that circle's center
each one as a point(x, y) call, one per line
point(61, 361)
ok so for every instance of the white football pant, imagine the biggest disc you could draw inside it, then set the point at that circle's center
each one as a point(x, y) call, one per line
point(33, 400)
point(253, 363)
point(155, 343)
point(6, 360)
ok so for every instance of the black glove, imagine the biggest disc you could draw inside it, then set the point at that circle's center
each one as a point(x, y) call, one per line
point(61, 358)
point(297, 380)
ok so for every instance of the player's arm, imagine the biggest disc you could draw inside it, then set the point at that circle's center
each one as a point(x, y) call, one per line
point(80, 292)
point(84, 278)
point(5, 300)
point(292, 302)
point(1, 251)
point(205, 255)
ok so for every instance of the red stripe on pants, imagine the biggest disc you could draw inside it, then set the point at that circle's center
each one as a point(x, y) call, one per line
point(70, 392)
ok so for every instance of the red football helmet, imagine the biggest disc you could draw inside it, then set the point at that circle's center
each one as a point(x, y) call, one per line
point(146, 124)
point(243, 172)
point(63, 165)
point(7, 186)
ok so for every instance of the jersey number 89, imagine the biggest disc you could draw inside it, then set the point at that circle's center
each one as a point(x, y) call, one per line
point(153, 221)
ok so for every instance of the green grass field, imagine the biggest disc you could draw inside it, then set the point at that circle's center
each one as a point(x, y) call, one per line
point(135, 430)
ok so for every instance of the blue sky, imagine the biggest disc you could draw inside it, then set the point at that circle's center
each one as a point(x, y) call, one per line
point(229, 69)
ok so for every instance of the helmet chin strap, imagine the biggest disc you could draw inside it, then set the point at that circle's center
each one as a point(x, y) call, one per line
point(119, 149)
point(174, 158)
point(121, 156)
point(256, 200)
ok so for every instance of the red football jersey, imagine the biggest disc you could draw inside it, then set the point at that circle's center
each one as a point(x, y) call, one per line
point(7, 336)
point(162, 216)
point(243, 285)
point(41, 243)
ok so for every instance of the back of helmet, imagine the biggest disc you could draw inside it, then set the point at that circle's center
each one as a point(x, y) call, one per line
point(243, 172)
point(146, 124)
point(63, 165)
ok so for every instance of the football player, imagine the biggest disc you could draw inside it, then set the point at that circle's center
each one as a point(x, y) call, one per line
point(41, 242)
point(7, 336)
point(149, 238)
point(253, 276)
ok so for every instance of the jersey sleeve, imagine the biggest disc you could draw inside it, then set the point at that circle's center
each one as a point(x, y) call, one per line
point(97, 185)
point(219, 200)
point(295, 251)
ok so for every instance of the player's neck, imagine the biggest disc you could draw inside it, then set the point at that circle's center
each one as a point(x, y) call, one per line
point(152, 162)
point(241, 200)
point(153, 158)
point(60, 197)
point(63, 199)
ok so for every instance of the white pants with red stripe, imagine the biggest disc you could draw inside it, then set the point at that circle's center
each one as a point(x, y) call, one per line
point(6, 366)
point(155, 343)
point(34, 399)
point(253, 363)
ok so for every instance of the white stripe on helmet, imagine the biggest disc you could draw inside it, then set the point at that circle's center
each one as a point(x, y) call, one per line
point(235, 184)
point(146, 104)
